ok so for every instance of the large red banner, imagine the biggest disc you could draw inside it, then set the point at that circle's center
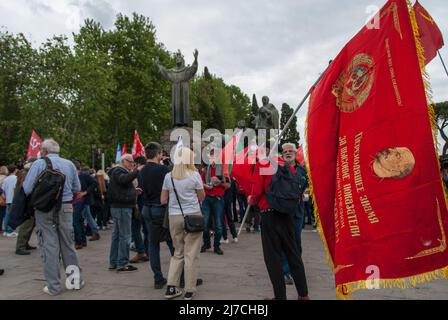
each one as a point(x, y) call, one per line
point(372, 161)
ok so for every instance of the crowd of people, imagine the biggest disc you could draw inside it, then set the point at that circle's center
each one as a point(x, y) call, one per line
point(145, 202)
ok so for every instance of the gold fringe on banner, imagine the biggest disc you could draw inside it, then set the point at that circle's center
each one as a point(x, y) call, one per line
point(312, 196)
point(344, 291)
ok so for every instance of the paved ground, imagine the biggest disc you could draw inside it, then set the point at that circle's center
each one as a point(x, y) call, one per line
point(238, 274)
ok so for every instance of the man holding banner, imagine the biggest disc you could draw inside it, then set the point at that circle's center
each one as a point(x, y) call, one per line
point(277, 232)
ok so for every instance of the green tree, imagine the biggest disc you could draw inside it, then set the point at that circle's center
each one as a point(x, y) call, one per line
point(291, 134)
point(441, 110)
point(240, 103)
point(17, 65)
point(99, 88)
point(140, 99)
point(216, 104)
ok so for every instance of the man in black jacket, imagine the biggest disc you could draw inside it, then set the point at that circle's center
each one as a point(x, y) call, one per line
point(122, 197)
point(151, 181)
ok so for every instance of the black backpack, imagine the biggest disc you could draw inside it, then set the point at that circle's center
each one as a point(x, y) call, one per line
point(48, 189)
point(285, 190)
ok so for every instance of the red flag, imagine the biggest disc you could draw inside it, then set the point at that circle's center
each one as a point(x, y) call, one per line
point(372, 162)
point(231, 149)
point(430, 35)
point(124, 150)
point(242, 168)
point(300, 157)
point(33, 146)
point(137, 147)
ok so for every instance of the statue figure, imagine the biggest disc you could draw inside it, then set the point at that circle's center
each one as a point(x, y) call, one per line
point(180, 76)
point(268, 116)
point(241, 124)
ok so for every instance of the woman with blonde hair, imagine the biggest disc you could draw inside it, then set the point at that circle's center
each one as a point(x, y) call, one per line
point(186, 181)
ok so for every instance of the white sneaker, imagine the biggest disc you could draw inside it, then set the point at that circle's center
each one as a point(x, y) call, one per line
point(224, 241)
point(47, 291)
point(12, 234)
point(235, 240)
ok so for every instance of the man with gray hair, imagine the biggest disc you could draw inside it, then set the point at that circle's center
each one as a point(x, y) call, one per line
point(122, 196)
point(56, 237)
point(289, 152)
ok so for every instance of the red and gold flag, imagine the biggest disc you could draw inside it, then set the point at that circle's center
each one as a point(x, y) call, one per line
point(430, 36)
point(372, 160)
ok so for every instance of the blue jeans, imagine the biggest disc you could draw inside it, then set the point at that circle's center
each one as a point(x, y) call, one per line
point(230, 223)
point(141, 244)
point(242, 202)
point(150, 213)
point(298, 223)
point(78, 223)
point(2, 216)
point(121, 237)
point(6, 226)
point(213, 206)
point(87, 215)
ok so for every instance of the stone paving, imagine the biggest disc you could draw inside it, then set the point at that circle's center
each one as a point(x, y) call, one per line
point(239, 274)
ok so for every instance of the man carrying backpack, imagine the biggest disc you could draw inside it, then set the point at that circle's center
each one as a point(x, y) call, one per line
point(51, 181)
point(277, 194)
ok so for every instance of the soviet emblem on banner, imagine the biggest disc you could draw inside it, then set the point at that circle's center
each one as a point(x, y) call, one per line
point(352, 88)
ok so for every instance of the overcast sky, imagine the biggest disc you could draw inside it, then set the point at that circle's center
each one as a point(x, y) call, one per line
point(274, 48)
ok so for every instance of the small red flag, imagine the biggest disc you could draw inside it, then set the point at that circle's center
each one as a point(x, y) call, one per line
point(137, 147)
point(430, 35)
point(33, 146)
point(124, 150)
point(300, 156)
point(242, 168)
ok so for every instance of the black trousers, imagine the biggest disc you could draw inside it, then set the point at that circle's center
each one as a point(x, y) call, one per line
point(278, 236)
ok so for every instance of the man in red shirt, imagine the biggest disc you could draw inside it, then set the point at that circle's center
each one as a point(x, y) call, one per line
point(277, 234)
point(215, 184)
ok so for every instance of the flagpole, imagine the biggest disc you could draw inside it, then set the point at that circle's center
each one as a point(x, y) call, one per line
point(244, 219)
point(298, 107)
point(443, 62)
point(284, 130)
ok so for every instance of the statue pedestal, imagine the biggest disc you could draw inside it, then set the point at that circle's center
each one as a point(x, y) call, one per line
point(170, 137)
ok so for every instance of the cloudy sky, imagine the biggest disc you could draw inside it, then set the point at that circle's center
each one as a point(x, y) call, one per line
point(274, 48)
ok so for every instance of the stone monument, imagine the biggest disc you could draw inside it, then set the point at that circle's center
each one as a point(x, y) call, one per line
point(268, 116)
point(180, 98)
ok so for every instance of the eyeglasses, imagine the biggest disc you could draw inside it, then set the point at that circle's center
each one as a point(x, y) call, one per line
point(288, 151)
point(130, 161)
